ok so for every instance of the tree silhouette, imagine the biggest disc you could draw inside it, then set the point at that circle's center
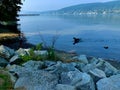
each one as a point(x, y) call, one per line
point(9, 9)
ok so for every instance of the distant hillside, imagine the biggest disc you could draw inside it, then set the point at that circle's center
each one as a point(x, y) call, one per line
point(90, 8)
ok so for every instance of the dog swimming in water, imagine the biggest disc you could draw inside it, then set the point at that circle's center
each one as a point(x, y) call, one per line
point(76, 40)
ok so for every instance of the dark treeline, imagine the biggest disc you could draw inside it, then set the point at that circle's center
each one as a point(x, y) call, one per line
point(8, 23)
point(8, 15)
point(9, 9)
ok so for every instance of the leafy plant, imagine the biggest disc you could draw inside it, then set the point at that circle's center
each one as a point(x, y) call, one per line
point(32, 56)
point(51, 53)
point(39, 46)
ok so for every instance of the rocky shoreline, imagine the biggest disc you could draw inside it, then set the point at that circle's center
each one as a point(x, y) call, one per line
point(80, 73)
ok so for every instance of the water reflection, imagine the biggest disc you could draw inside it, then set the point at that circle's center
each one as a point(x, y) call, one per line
point(111, 19)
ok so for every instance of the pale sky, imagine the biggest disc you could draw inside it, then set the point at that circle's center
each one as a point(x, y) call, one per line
point(45, 5)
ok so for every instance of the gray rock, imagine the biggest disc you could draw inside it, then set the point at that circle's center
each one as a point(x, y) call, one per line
point(97, 74)
point(83, 59)
point(65, 87)
point(3, 62)
point(100, 64)
point(37, 80)
point(21, 52)
point(94, 61)
point(80, 65)
point(81, 81)
point(88, 67)
point(111, 83)
point(71, 77)
point(6, 52)
point(86, 83)
point(109, 69)
point(18, 70)
point(15, 60)
point(106, 67)
point(13, 78)
point(33, 65)
point(49, 63)
point(61, 67)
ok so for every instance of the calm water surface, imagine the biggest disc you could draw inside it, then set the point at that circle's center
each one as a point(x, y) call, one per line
point(95, 31)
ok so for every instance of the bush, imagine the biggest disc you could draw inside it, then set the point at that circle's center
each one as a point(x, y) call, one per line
point(32, 56)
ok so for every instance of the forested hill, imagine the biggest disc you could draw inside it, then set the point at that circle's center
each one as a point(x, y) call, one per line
point(90, 8)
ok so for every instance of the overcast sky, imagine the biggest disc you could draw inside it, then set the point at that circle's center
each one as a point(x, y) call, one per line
point(45, 5)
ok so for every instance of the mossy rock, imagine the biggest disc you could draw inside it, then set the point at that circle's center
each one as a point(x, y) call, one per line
point(5, 81)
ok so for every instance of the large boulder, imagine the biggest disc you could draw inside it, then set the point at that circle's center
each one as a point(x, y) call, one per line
point(6, 52)
point(31, 78)
point(17, 70)
point(65, 87)
point(37, 80)
point(3, 62)
point(111, 83)
point(61, 67)
point(97, 74)
point(102, 65)
point(106, 67)
point(81, 81)
point(33, 65)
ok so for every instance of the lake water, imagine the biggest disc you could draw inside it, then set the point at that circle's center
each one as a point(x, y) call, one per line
point(95, 32)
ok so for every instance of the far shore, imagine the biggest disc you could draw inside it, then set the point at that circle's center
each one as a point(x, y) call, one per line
point(29, 14)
